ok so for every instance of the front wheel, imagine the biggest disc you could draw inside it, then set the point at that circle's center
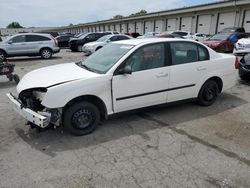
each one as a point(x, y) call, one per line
point(46, 53)
point(79, 48)
point(81, 118)
point(208, 94)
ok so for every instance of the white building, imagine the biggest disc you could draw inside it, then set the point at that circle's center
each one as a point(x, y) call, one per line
point(9, 32)
point(207, 19)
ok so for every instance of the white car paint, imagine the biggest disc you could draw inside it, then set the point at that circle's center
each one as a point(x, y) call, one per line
point(66, 82)
point(199, 37)
point(242, 46)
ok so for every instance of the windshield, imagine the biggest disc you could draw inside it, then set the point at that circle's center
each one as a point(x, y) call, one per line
point(219, 37)
point(104, 38)
point(102, 60)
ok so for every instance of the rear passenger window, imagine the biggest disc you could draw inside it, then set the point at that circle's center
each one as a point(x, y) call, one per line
point(35, 38)
point(183, 52)
point(203, 53)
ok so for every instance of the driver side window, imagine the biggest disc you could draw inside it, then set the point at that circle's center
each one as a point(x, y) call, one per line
point(18, 39)
point(147, 57)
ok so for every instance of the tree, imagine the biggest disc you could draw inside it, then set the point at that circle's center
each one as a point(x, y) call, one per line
point(118, 16)
point(14, 25)
point(141, 13)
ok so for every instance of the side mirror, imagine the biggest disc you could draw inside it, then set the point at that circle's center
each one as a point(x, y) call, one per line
point(108, 41)
point(9, 42)
point(126, 70)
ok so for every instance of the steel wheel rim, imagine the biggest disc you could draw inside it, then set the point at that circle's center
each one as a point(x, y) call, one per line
point(82, 119)
point(46, 54)
point(209, 93)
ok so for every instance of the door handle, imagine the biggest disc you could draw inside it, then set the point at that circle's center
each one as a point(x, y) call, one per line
point(162, 74)
point(201, 68)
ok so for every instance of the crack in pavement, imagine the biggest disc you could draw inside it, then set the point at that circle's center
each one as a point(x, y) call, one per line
point(196, 139)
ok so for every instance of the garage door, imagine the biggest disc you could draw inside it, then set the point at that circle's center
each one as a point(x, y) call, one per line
point(226, 20)
point(118, 27)
point(171, 25)
point(204, 24)
point(246, 24)
point(124, 28)
point(106, 28)
point(139, 28)
point(186, 24)
point(149, 26)
point(112, 28)
point(131, 27)
point(159, 26)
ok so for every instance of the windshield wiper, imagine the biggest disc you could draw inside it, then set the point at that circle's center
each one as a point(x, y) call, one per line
point(80, 64)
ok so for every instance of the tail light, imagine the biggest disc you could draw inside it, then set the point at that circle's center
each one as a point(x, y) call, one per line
point(54, 40)
point(237, 63)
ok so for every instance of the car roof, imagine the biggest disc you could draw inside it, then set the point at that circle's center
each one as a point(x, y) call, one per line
point(136, 42)
point(39, 34)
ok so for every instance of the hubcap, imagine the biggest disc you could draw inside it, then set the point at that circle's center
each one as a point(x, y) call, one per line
point(209, 93)
point(46, 54)
point(82, 119)
point(1, 56)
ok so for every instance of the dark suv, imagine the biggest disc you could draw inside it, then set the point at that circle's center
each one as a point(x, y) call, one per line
point(76, 44)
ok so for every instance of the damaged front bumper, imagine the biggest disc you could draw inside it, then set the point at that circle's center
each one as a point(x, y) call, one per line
point(41, 119)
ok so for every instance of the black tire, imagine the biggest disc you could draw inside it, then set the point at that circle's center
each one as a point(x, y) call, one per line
point(208, 94)
point(46, 53)
point(79, 48)
point(81, 118)
point(2, 56)
point(16, 78)
point(10, 77)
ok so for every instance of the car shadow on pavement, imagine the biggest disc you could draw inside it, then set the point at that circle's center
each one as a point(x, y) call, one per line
point(53, 141)
point(4, 84)
point(19, 59)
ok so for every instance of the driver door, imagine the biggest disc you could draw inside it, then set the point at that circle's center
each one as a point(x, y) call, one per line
point(147, 84)
point(17, 45)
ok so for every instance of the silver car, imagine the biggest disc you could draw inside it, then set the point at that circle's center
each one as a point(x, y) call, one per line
point(29, 44)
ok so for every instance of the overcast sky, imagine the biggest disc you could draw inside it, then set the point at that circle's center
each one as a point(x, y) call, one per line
point(64, 12)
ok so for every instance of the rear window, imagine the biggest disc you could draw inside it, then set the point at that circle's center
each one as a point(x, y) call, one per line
point(35, 38)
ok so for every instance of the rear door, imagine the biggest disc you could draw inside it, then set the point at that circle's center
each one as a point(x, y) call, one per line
point(35, 42)
point(17, 45)
point(190, 62)
point(148, 83)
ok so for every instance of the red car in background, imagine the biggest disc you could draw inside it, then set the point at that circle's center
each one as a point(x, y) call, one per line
point(224, 42)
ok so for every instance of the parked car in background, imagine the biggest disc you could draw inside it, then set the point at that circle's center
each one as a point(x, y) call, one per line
point(242, 47)
point(76, 44)
point(148, 35)
point(167, 35)
point(111, 32)
point(224, 42)
point(233, 30)
point(199, 37)
point(91, 47)
point(29, 44)
point(134, 35)
point(63, 40)
point(244, 67)
point(52, 33)
point(123, 75)
point(185, 34)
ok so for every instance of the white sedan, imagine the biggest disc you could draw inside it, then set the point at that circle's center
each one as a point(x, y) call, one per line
point(123, 76)
point(91, 47)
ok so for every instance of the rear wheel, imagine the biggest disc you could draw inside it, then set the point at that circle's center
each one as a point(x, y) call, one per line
point(46, 53)
point(98, 48)
point(2, 56)
point(208, 93)
point(81, 118)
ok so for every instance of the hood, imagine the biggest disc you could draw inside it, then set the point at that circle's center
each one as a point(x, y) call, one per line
point(94, 43)
point(212, 42)
point(53, 75)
